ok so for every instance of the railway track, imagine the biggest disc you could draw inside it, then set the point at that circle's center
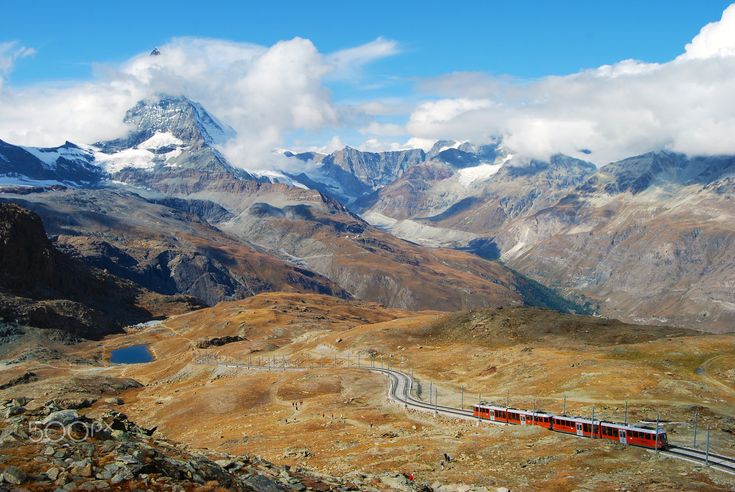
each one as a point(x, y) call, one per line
point(400, 386)
point(399, 390)
point(717, 461)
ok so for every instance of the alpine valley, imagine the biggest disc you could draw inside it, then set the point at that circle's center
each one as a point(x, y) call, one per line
point(649, 239)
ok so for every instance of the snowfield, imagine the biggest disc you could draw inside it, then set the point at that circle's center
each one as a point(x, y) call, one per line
point(160, 139)
point(49, 156)
point(469, 175)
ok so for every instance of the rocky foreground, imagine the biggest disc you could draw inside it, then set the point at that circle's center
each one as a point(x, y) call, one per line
point(50, 449)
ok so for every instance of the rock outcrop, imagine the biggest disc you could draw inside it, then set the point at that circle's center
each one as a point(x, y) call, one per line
point(42, 287)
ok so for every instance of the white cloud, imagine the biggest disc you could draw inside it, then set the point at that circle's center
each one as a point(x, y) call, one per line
point(10, 52)
point(267, 93)
point(437, 117)
point(378, 129)
point(383, 107)
point(334, 143)
point(377, 145)
point(420, 143)
point(615, 110)
point(347, 63)
point(263, 92)
point(715, 39)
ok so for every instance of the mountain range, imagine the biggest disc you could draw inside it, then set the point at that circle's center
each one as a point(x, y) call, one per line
point(163, 208)
point(647, 239)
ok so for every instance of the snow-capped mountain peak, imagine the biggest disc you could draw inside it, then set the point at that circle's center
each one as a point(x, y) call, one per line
point(179, 117)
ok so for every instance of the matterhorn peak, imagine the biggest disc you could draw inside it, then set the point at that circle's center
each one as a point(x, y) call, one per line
point(178, 116)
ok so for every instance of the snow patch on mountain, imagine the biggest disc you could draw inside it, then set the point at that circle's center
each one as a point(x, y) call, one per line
point(452, 145)
point(50, 156)
point(481, 172)
point(144, 155)
point(23, 181)
point(135, 158)
point(161, 139)
point(469, 175)
point(277, 177)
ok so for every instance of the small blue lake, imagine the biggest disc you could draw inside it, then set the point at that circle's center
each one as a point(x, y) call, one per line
point(135, 354)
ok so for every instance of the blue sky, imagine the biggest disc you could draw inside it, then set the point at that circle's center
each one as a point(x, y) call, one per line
point(520, 38)
point(543, 76)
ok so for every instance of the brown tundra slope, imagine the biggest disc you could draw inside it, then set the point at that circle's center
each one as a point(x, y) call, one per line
point(335, 418)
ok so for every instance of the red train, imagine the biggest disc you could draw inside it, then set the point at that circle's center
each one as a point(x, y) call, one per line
point(578, 426)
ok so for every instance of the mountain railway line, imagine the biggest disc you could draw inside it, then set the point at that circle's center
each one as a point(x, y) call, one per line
point(716, 461)
point(399, 390)
point(400, 386)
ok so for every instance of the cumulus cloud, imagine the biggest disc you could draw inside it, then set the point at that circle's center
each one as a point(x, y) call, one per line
point(715, 39)
point(262, 92)
point(10, 52)
point(615, 110)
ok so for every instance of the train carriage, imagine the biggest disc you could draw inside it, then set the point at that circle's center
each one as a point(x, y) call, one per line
point(542, 419)
point(493, 413)
point(584, 427)
point(563, 423)
point(636, 436)
point(518, 417)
